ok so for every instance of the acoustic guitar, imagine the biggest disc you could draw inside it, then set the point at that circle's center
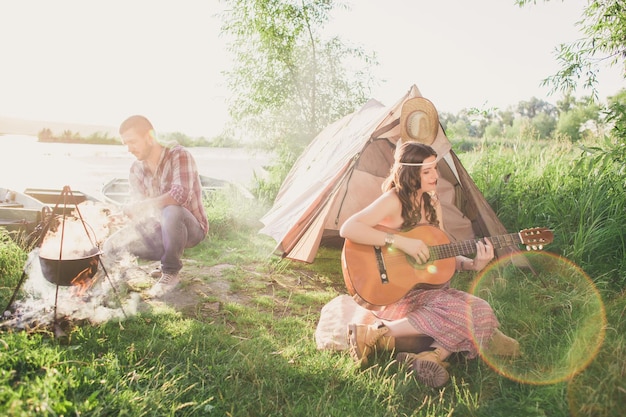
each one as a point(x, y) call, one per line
point(378, 276)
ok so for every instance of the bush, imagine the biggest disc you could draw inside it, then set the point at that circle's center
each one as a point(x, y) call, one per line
point(12, 259)
point(229, 211)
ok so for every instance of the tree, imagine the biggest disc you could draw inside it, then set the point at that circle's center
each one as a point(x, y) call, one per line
point(541, 115)
point(617, 112)
point(506, 117)
point(544, 123)
point(604, 26)
point(287, 81)
point(566, 103)
point(45, 135)
point(458, 130)
point(535, 106)
point(583, 115)
point(617, 116)
point(493, 130)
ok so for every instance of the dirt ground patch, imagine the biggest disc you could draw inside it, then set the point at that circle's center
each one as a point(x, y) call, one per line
point(204, 290)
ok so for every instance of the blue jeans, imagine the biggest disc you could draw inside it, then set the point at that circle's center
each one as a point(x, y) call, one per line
point(163, 239)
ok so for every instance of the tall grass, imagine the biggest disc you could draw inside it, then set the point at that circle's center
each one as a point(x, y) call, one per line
point(567, 188)
point(255, 354)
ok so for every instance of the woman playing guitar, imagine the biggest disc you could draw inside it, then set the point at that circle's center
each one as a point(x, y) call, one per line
point(457, 321)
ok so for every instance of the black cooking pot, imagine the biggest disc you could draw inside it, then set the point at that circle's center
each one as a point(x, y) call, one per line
point(68, 272)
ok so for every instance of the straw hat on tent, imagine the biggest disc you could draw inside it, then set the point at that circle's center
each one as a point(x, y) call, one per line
point(419, 121)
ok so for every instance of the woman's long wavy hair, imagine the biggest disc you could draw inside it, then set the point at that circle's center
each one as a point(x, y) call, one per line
point(407, 180)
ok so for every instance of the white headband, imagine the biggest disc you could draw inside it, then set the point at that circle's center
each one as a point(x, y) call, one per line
point(417, 164)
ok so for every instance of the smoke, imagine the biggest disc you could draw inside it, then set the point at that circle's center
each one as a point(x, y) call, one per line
point(103, 297)
point(75, 236)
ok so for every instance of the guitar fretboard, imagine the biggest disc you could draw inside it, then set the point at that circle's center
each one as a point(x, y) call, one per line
point(468, 247)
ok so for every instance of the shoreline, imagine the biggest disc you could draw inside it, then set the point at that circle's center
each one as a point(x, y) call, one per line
point(27, 163)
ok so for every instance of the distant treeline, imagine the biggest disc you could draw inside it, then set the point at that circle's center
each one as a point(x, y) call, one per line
point(46, 135)
point(220, 141)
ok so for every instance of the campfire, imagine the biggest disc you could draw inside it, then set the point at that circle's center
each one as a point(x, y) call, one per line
point(69, 256)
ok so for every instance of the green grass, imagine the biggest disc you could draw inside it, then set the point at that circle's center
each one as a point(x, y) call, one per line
point(557, 315)
point(255, 353)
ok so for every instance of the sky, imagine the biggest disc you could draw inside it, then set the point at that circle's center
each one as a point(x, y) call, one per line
point(97, 62)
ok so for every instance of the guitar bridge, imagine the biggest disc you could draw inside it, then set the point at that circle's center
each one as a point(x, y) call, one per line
point(380, 263)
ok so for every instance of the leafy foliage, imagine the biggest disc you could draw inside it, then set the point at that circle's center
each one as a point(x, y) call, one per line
point(12, 260)
point(604, 26)
point(11, 256)
point(617, 117)
point(288, 81)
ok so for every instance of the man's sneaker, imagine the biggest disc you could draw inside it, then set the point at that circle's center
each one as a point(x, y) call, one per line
point(156, 272)
point(165, 284)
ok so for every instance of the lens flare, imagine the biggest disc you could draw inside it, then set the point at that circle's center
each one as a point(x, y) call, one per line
point(432, 268)
point(551, 307)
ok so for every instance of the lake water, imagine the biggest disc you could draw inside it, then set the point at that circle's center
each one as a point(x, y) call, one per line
point(27, 163)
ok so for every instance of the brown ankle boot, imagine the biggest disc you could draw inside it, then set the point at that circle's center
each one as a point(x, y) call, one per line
point(427, 367)
point(385, 343)
point(502, 345)
point(364, 339)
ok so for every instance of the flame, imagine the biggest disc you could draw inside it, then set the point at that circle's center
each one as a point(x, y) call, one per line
point(85, 279)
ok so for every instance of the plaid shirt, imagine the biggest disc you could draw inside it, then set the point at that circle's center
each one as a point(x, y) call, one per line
point(176, 175)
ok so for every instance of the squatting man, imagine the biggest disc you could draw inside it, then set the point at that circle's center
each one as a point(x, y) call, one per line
point(166, 210)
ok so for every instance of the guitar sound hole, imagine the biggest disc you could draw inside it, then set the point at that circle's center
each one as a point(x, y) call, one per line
point(428, 266)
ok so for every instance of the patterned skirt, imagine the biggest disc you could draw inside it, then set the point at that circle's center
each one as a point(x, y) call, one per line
point(456, 320)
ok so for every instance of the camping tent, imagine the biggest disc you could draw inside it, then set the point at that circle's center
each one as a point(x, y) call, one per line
point(342, 171)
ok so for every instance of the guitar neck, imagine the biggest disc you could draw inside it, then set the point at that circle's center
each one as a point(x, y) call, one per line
point(468, 247)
